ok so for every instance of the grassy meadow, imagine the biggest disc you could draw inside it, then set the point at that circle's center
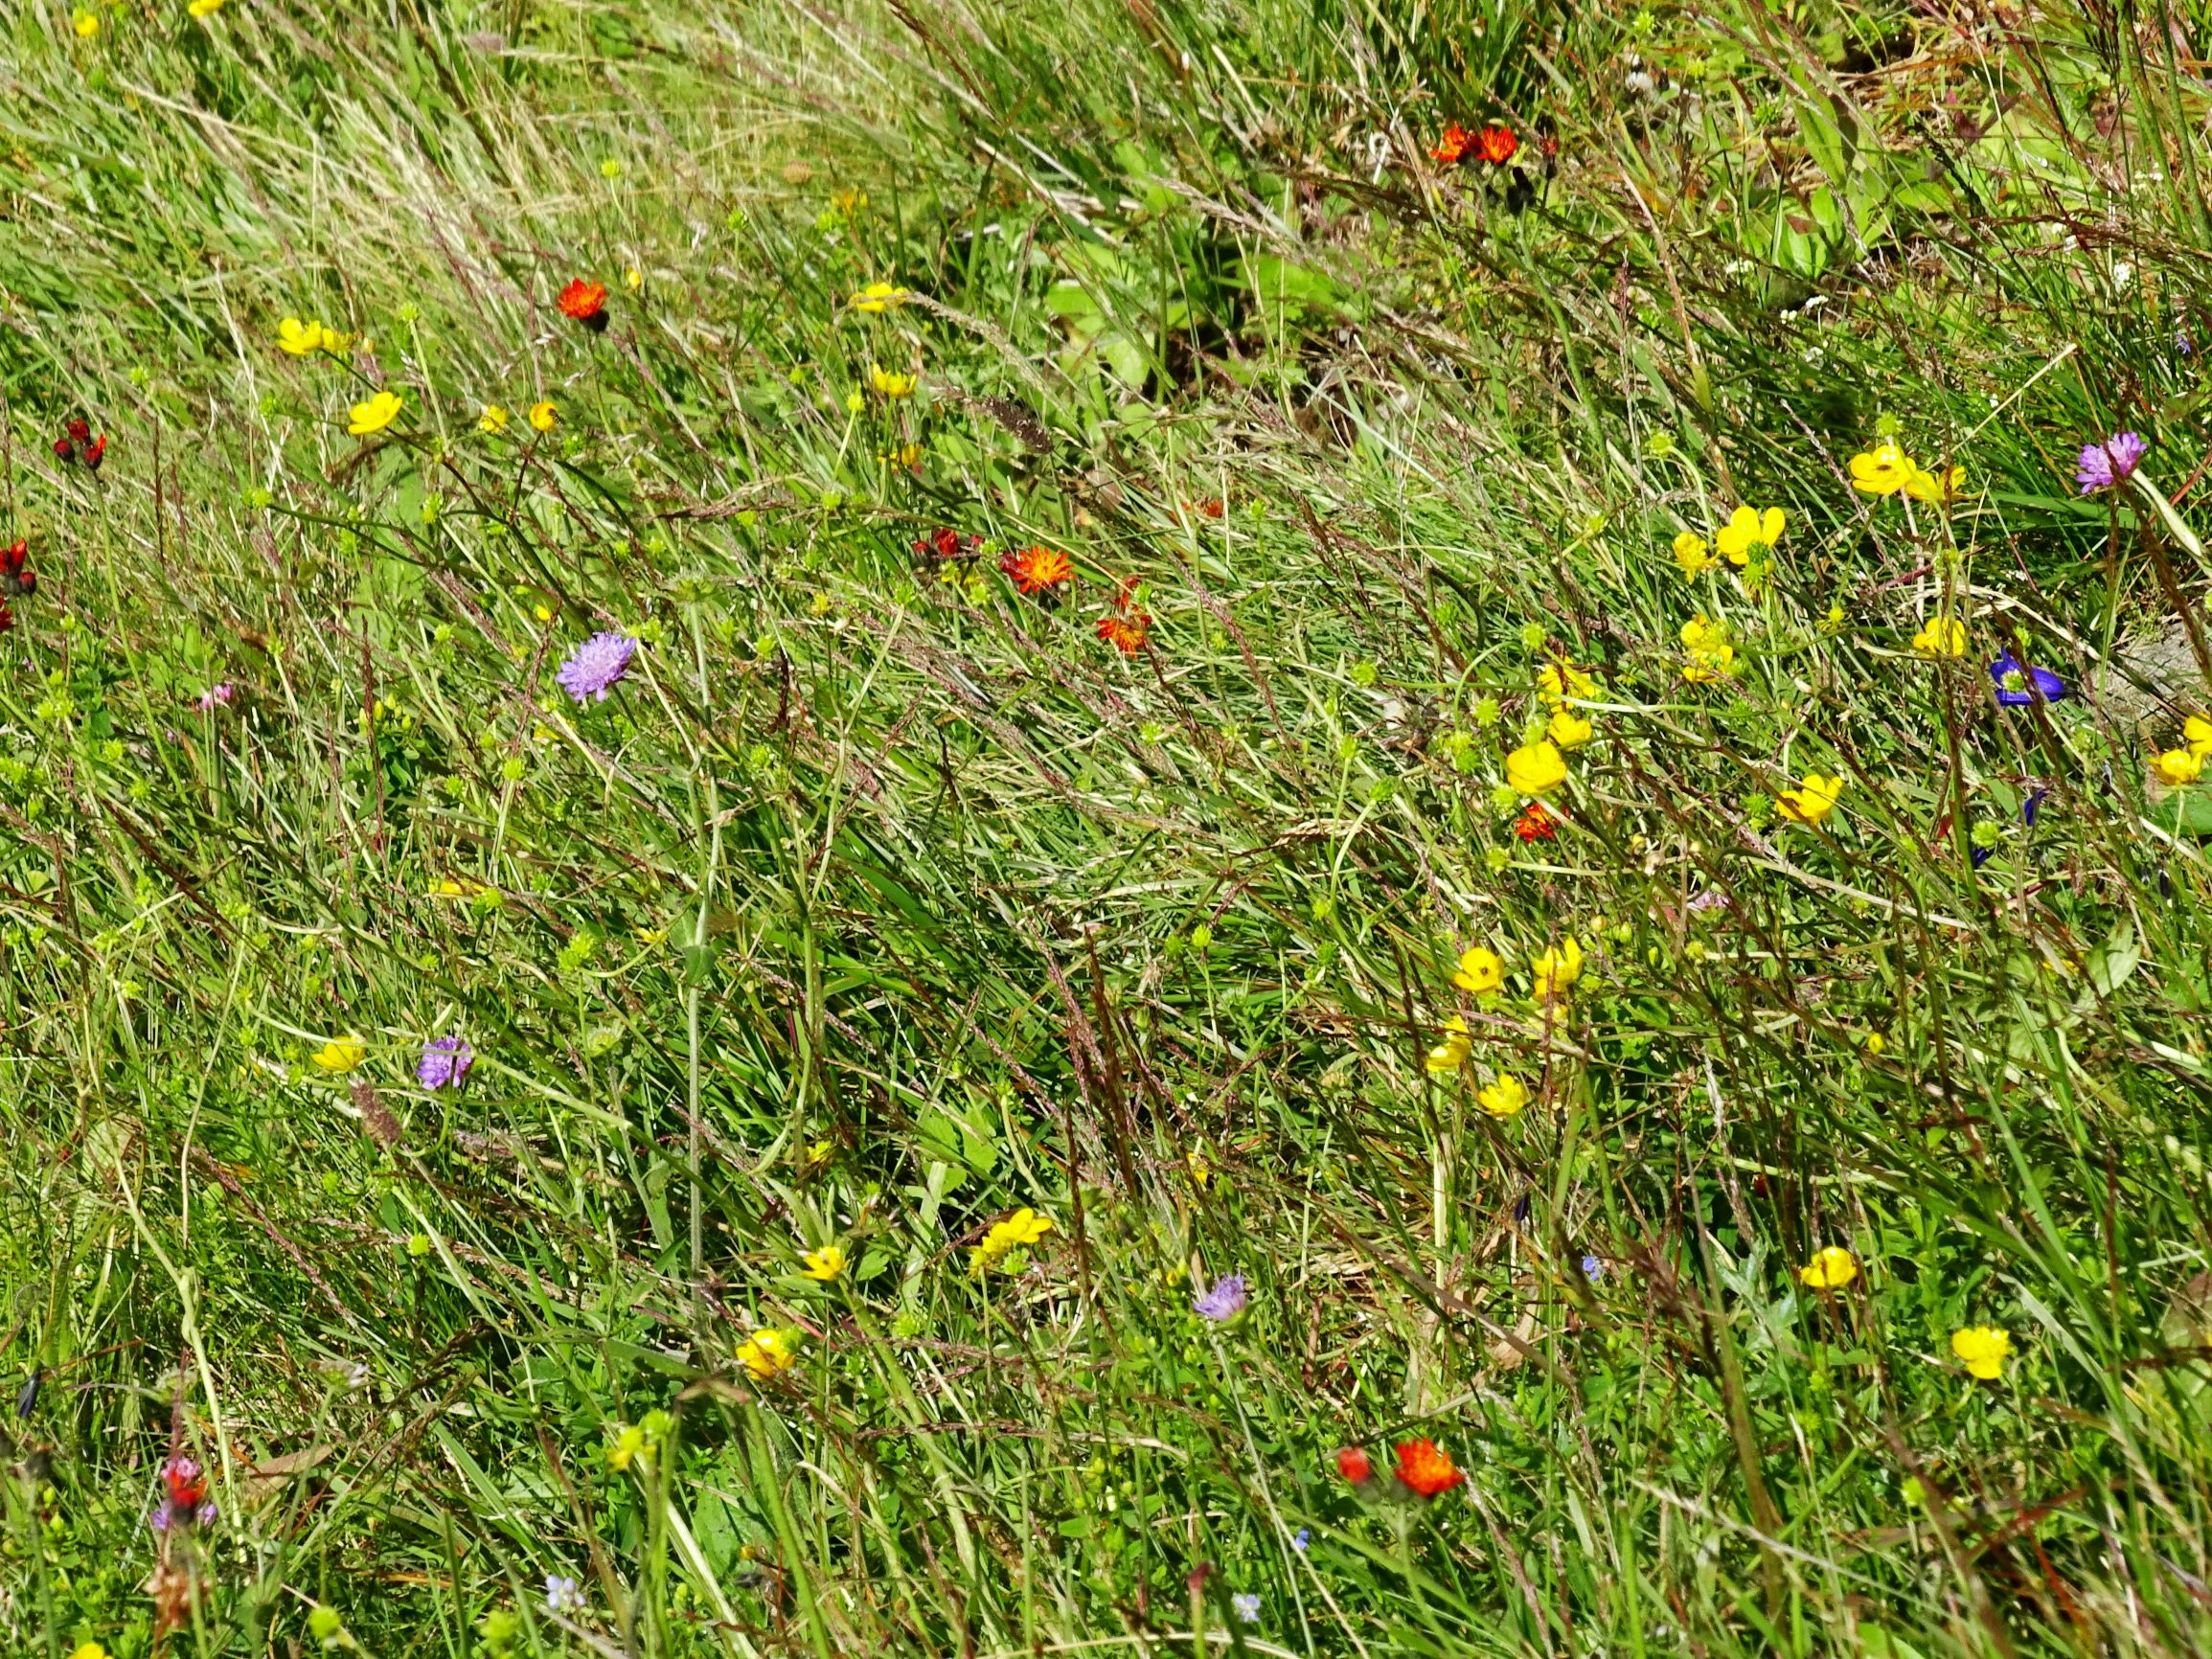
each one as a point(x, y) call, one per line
point(983, 830)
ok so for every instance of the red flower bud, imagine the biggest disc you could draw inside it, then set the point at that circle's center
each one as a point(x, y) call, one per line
point(1354, 1465)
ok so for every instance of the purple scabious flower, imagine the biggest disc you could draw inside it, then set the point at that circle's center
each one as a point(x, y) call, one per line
point(446, 1062)
point(1224, 1302)
point(2111, 463)
point(2012, 679)
point(595, 666)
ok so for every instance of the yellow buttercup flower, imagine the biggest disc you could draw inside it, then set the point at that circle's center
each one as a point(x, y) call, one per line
point(85, 22)
point(1831, 1268)
point(299, 338)
point(543, 416)
point(1711, 657)
point(2197, 731)
point(1450, 1054)
point(825, 1265)
point(888, 384)
point(2179, 766)
point(1536, 768)
point(768, 1354)
point(377, 413)
point(1561, 682)
point(1567, 729)
point(1481, 971)
point(1943, 636)
point(633, 278)
point(1556, 969)
point(1199, 1164)
point(1983, 1350)
point(88, 1650)
point(204, 8)
point(1925, 485)
point(1018, 1231)
point(341, 1053)
point(1882, 470)
point(877, 298)
point(1691, 555)
point(1747, 528)
point(1503, 1099)
point(1812, 800)
point(492, 420)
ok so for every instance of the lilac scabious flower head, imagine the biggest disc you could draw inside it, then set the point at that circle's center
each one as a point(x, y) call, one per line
point(217, 696)
point(1224, 1302)
point(446, 1062)
point(1712, 898)
point(2013, 682)
point(595, 666)
point(2111, 463)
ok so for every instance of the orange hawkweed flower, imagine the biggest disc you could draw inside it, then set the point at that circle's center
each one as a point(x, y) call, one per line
point(1538, 823)
point(1426, 1469)
point(1355, 1465)
point(1127, 634)
point(1037, 569)
point(1452, 148)
point(1496, 145)
point(586, 303)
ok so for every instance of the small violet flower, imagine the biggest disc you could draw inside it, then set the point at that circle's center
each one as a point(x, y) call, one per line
point(217, 696)
point(1224, 1302)
point(563, 1595)
point(2013, 681)
point(446, 1062)
point(594, 667)
point(1248, 1607)
point(1593, 1269)
point(2111, 463)
point(1304, 1541)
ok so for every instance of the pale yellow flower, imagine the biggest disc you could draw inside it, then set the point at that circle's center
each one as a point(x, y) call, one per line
point(377, 413)
point(1831, 1268)
point(1983, 1350)
point(1943, 636)
point(1481, 971)
point(543, 416)
point(1503, 1099)
point(341, 1053)
point(825, 1265)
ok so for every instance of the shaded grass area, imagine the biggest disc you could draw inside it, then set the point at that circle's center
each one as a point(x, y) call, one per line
point(882, 899)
